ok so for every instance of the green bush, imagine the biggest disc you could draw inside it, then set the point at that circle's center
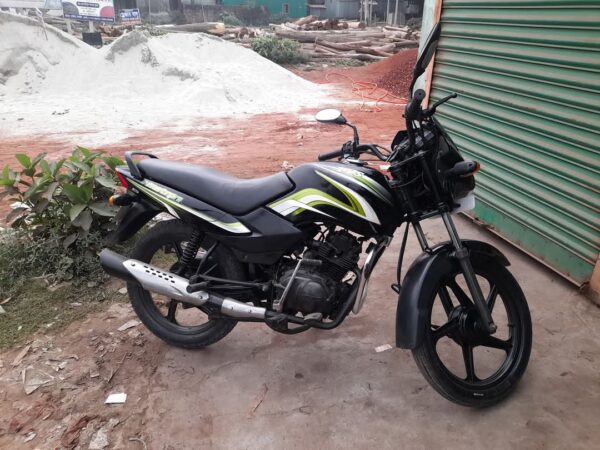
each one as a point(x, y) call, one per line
point(280, 51)
point(61, 216)
point(231, 19)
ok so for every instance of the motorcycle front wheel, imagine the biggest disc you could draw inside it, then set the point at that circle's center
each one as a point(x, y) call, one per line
point(458, 358)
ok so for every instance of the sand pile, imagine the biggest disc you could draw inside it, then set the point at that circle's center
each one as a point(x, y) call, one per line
point(52, 83)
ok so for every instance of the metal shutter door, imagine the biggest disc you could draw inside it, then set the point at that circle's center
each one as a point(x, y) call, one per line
point(528, 78)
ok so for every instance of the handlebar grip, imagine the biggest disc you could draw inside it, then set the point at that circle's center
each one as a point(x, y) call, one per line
point(412, 108)
point(330, 155)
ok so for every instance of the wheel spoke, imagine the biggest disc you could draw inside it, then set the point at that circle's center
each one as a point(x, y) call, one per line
point(467, 351)
point(210, 269)
point(446, 300)
point(445, 330)
point(463, 298)
point(494, 342)
point(491, 300)
point(172, 311)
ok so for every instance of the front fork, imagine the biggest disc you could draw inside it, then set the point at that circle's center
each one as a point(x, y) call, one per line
point(462, 254)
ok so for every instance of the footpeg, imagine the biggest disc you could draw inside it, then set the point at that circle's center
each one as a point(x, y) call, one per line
point(314, 317)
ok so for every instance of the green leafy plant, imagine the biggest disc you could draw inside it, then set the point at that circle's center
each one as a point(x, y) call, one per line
point(280, 51)
point(231, 19)
point(65, 198)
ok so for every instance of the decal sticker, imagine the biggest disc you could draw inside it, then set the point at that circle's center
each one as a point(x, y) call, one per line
point(309, 199)
point(171, 204)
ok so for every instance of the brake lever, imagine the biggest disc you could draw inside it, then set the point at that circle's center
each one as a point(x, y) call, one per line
point(431, 111)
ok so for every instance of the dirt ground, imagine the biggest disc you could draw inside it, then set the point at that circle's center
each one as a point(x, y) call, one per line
point(258, 389)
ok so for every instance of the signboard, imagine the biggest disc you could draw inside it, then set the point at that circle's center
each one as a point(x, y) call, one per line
point(130, 16)
point(98, 10)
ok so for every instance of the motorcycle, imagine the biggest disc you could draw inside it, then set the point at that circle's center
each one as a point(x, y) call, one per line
point(285, 250)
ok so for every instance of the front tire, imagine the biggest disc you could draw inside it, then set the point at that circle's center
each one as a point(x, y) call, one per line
point(162, 246)
point(503, 357)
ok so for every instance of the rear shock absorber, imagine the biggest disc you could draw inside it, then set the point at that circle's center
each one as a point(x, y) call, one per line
point(190, 250)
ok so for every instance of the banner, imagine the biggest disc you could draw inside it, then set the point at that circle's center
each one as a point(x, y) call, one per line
point(130, 16)
point(99, 10)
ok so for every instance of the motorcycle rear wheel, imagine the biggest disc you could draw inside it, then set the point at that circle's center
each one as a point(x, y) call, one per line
point(168, 319)
point(503, 356)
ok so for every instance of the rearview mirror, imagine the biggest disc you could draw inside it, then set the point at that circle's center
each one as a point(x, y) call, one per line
point(428, 51)
point(331, 116)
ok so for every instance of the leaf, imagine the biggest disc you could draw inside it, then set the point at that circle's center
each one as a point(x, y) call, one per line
point(84, 151)
point(75, 210)
point(88, 189)
point(75, 193)
point(50, 190)
point(56, 166)
point(33, 190)
point(113, 162)
point(37, 159)
point(23, 159)
point(84, 220)
point(45, 168)
point(7, 191)
point(82, 166)
point(104, 209)
point(70, 239)
point(41, 205)
point(16, 213)
point(106, 182)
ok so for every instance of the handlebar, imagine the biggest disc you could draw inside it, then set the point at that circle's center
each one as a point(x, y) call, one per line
point(413, 108)
point(330, 155)
point(354, 153)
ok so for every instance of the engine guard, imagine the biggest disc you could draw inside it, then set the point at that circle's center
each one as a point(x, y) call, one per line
point(411, 314)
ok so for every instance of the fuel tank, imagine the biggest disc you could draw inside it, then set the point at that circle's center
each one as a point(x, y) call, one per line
point(349, 195)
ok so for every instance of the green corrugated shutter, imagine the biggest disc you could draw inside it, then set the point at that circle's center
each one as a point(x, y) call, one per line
point(528, 77)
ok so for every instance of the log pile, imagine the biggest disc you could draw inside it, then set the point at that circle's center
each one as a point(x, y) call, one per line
point(311, 23)
point(363, 44)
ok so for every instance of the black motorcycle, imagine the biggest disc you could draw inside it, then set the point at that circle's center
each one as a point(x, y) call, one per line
point(286, 250)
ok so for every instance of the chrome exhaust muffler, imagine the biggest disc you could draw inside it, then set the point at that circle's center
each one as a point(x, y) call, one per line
point(173, 286)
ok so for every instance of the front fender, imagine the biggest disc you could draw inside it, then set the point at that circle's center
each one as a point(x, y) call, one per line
point(420, 282)
point(130, 219)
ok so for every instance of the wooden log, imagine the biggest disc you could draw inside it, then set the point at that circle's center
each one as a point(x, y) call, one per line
point(356, 25)
point(407, 44)
point(359, 57)
point(217, 28)
point(346, 46)
point(305, 20)
point(331, 36)
point(390, 28)
point(372, 51)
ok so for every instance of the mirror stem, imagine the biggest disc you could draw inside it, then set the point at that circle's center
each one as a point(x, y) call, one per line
point(356, 142)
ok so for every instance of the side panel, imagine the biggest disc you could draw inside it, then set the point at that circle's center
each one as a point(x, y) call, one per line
point(348, 195)
point(272, 236)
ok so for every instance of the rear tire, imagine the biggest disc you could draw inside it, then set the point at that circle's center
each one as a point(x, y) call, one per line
point(461, 329)
point(164, 234)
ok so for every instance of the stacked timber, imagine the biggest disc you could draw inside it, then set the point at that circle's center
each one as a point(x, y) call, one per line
point(363, 44)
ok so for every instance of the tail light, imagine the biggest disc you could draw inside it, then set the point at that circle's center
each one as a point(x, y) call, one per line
point(123, 180)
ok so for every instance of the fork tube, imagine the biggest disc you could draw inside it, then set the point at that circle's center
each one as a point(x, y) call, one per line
point(462, 254)
point(420, 235)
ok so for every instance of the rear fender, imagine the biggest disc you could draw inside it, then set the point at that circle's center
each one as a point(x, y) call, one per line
point(130, 219)
point(420, 282)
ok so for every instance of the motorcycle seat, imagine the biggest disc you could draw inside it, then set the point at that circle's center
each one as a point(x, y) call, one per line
point(233, 195)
